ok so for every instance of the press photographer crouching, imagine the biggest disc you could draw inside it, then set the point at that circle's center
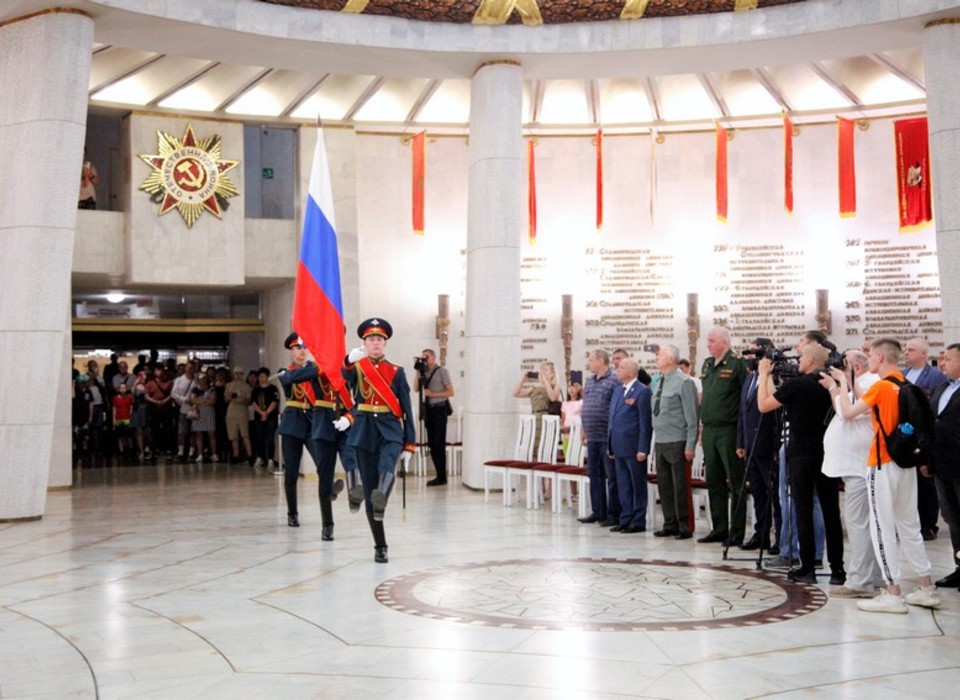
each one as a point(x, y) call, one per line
point(435, 408)
point(807, 404)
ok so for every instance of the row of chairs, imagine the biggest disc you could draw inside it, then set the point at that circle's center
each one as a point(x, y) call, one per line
point(529, 469)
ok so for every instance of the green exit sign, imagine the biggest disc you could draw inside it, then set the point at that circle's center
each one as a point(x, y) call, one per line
point(268, 173)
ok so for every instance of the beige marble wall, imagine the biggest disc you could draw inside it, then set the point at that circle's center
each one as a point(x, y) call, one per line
point(162, 249)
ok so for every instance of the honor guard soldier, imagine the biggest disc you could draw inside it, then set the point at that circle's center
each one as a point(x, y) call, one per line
point(296, 427)
point(331, 418)
point(383, 425)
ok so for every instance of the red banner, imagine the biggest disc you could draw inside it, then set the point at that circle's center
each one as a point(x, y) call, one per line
point(913, 173)
point(721, 174)
point(846, 167)
point(416, 147)
point(599, 180)
point(531, 193)
point(787, 164)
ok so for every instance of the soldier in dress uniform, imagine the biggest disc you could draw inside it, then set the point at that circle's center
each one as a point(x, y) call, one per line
point(331, 418)
point(296, 427)
point(383, 426)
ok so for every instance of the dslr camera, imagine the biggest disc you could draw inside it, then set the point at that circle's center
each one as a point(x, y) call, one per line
point(420, 364)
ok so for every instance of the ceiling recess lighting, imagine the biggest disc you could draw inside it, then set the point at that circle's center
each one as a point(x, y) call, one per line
point(115, 297)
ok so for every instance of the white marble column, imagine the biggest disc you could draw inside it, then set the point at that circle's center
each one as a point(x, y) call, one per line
point(941, 58)
point(44, 71)
point(494, 227)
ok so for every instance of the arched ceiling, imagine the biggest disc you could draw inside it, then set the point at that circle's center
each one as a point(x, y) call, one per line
point(259, 61)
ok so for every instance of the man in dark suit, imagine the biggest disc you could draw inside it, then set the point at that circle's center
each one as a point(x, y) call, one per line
point(919, 372)
point(757, 444)
point(946, 453)
point(383, 425)
point(629, 433)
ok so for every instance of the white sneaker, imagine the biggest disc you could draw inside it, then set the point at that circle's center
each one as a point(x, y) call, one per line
point(258, 462)
point(270, 464)
point(200, 459)
point(885, 602)
point(924, 597)
point(214, 458)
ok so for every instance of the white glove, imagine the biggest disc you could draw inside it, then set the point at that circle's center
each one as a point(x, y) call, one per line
point(355, 355)
point(341, 423)
point(405, 458)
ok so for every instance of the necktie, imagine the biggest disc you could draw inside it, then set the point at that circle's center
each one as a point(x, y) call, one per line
point(753, 388)
point(656, 403)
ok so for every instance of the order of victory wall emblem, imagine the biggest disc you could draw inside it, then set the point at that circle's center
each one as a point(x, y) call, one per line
point(189, 175)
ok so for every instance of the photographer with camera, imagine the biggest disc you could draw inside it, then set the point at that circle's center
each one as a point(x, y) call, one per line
point(807, 405)
point(437, 388)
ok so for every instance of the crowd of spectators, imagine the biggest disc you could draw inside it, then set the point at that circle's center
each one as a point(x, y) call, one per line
point(166, 410)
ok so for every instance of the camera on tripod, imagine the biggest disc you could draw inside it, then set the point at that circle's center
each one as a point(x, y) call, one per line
point(420, 364)
point(785, 364)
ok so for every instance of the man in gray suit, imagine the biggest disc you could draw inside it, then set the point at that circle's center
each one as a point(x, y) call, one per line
point(676, 427)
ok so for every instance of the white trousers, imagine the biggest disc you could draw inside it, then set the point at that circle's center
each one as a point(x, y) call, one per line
point(892, 494)
point(863, 571)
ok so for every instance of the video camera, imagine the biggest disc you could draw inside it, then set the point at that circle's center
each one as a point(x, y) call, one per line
point(785, 364)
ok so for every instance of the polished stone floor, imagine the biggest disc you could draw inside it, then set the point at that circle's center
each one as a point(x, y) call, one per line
point(185, 582)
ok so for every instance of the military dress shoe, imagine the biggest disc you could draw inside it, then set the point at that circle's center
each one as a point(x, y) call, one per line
point(665, 533)
point(380, 555)
point(733, 542)
point(798, 575)
point(617, 528)
point(608, 522)
point(629, 529)
point(437, 482)
point(949, 581)
point(589, 519)
point(293, 520)
point(326, 533)
point(752, 543)
point(712, 537)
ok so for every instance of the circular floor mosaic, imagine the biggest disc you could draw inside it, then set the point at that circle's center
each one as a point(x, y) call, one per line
point(599, 595)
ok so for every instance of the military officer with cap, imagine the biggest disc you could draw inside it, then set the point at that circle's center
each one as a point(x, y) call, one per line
point(296, 428)
point(331, 419)
point(383, 427)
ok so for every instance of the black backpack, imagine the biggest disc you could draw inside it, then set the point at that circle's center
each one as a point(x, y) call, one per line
point(911, 441)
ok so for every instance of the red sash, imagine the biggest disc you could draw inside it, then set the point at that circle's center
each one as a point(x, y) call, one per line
point(381, 385)
point(302, 391)
point(329, 394)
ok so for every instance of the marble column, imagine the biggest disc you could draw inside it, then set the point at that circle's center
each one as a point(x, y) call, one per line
point(941, 58)
point(494, 228)
point(44, 71)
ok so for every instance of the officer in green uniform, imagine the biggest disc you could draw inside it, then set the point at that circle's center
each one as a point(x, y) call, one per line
point(723, 376)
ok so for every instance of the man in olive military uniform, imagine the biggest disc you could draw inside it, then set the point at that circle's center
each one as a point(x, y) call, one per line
point(296, 426)
point(383, 424)
point(723, 376)
point(328, 434)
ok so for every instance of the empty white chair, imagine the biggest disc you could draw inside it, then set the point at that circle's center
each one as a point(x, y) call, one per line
point(455, 447)
point(572, 471)
point(522, 454)
point(546, 455)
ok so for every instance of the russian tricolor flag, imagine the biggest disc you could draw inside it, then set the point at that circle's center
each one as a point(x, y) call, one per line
point(317, 302)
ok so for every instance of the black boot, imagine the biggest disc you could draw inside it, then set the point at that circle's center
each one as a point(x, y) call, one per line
point(379, 540)
point(290, 491)
point(326, 516)
point(382, 493)
point(354, 489)
point(337, 488)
